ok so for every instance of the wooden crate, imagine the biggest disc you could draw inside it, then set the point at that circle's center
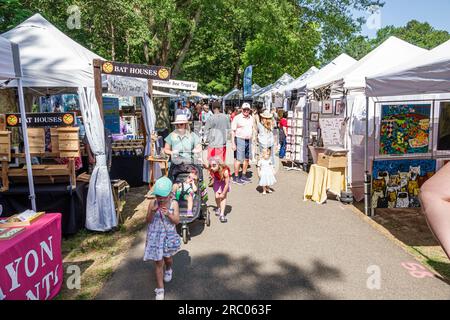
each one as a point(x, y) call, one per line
point(5, 146)
point(332, 162)
point(36, 140)
point(68, 142)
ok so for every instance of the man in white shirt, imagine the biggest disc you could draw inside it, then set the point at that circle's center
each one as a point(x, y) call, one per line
point(241, 139)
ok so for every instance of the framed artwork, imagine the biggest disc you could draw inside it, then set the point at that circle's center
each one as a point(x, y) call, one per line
point(397, 183)
point(339, 107)
point(327, 107)
point(405, 129)
point(314, 117)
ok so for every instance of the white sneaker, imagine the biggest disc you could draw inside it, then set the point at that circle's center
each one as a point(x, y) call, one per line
point(168, 275)
point(159, 294)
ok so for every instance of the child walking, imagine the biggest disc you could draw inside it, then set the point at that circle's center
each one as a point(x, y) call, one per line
point(162, 239)
point(221, 185)
point(266, 172)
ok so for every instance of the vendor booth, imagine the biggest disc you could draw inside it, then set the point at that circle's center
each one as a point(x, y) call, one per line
point(52, 63)
point(408, 129)
point(19, 243)
point(269, 96)
point(342, 97)
point(305, 114)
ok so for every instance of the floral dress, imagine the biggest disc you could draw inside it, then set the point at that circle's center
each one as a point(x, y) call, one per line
point(162, 238)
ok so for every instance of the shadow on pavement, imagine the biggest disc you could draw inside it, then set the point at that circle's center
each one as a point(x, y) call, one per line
point(223, 277)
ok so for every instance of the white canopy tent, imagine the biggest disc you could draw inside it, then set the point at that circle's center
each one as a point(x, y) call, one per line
point(233, 94)
point(299, 82)
point(426, 74)
point(351, 84)
point(11, 69)
point(54, 63)
point(425, 78)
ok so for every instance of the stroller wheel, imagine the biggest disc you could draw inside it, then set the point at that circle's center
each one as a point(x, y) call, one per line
point(208, 218)
point(184, 233)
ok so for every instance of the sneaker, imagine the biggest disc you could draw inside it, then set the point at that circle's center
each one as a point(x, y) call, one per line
point(246, 180)
point(168, 275)
point(217, 212)
point(223, 219)
point(159, 294)
point(238, 181)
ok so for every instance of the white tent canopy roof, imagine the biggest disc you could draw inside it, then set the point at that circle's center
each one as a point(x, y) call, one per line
point(342, 62)
point(50, 58)
point(389, 54)
point(299, 82)
point(7, 65)
point(426, 74)
point(284, 80)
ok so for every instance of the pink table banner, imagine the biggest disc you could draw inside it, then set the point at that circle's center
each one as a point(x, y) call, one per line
point(31, 263)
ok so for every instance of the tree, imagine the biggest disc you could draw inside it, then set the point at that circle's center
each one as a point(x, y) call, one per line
point(421, 34)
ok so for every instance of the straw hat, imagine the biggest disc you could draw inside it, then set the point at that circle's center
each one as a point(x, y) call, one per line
point(266, 115)
point(181, 119)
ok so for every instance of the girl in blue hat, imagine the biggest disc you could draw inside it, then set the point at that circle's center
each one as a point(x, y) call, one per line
point(162, 238)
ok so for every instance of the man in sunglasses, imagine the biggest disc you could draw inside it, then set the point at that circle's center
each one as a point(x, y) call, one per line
point(241, 139)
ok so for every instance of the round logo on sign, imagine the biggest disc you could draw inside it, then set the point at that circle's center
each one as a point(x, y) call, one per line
point(163, 73)
point(108, 67)
point(68, 118)
point(12, 120)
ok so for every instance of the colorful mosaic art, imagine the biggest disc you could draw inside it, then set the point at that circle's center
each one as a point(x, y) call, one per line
point(405, 129)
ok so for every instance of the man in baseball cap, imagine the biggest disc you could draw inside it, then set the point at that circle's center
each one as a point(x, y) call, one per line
point(241, 139)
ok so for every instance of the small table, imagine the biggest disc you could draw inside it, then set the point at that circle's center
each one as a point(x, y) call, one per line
point(36, 250)
point(322, 180)
point(162, 161)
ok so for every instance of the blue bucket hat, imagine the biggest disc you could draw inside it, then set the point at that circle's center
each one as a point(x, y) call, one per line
point(163, 187)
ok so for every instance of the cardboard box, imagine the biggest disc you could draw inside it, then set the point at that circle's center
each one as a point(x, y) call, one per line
point(332, 162)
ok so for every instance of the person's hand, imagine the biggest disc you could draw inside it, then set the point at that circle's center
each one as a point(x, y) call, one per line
point(222, 196)
point(164, 210)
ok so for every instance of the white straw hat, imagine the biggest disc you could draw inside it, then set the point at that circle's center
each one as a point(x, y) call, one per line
point(181, 119)
point(266, 114)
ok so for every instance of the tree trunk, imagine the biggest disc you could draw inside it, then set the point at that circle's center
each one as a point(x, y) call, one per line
point(166, 44)
point(146, 55)
point(128, 47)
point(186, 44)
point(113, 47)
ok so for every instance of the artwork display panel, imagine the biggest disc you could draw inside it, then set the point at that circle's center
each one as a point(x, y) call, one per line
point(405, 129)
point(397, 183)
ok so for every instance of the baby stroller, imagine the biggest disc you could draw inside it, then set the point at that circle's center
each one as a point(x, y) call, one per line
point(178, 174)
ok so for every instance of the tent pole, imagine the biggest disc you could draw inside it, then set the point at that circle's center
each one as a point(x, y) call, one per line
point(26, 144)
point(367, 178)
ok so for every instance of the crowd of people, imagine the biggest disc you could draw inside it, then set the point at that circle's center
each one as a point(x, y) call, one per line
point(253, 136)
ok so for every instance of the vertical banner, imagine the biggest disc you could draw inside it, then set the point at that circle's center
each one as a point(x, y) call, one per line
point(111, 114)
point(248, 81)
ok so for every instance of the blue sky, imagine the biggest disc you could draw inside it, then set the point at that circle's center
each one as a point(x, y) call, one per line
point(399, 12)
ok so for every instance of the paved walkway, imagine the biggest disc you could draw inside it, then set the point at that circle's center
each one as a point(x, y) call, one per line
point(279, 247)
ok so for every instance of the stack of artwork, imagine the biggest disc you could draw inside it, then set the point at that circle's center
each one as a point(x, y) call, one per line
point(396, 183)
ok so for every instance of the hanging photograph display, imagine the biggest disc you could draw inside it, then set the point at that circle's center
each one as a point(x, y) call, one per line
point(339, 107)
point(314, 117)
point(397, 183)
point(405, 129)
point(327, 107)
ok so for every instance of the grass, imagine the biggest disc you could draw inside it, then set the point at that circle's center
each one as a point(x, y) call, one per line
point(409, 229)
point(98, 254)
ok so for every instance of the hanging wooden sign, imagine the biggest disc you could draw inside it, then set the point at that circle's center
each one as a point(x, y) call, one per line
point(54, 119)
point(136, 70)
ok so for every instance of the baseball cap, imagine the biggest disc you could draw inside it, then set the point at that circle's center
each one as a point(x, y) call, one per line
point(246, 106)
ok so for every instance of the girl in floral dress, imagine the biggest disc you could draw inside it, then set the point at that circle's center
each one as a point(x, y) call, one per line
point(162, 238)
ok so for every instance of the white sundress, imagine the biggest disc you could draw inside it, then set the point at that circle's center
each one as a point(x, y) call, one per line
point(267, 177)
point(162, 238)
